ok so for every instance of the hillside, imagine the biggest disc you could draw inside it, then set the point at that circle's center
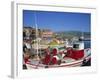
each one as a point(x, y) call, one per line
point(71, 34)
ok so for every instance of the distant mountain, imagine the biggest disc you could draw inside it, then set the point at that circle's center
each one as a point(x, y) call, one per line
point(71, 34)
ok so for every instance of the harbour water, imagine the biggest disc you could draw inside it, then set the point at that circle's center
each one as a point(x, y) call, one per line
point(87, 44)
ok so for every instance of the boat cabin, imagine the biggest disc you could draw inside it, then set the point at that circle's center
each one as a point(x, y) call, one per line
point(78, 45)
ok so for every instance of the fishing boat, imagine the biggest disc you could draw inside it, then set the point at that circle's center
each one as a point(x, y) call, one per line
point(63, 57)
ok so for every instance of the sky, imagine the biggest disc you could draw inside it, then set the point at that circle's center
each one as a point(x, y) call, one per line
point(57, 21)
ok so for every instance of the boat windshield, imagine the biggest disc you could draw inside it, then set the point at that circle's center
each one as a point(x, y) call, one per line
point(76, 46)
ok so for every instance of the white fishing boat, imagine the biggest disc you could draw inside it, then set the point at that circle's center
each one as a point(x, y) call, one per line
point(80, 55)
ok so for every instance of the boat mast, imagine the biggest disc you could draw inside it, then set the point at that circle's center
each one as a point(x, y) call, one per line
point(36, 34)
point(82, 36)
point(82, 44)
